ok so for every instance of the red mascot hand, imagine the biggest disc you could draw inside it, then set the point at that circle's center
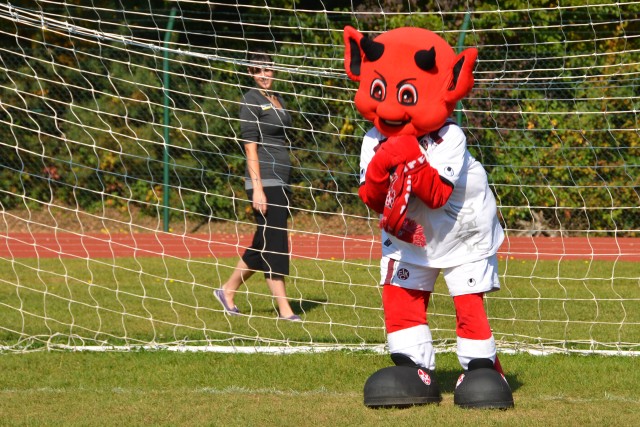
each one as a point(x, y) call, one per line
point(390, 154)
point(394, 151)
point(394, 163)
point(424, 181)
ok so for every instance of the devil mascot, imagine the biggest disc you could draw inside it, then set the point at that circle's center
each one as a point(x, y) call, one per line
point(437, 213)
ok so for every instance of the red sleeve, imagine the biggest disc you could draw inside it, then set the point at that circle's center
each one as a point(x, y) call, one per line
point(373, 191)
point(429, 187)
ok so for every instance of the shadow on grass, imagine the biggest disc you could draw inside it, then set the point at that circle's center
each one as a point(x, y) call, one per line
point(302, 307)
point(447, 380)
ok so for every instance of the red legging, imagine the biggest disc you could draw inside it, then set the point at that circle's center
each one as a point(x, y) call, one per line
point(405, 308)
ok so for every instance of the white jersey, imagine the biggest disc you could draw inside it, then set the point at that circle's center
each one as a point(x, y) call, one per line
point(466, 228)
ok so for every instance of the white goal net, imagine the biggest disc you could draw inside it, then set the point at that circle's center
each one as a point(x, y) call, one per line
point(121, 167)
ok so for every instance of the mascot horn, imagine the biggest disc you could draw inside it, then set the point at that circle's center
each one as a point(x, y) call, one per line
point(437, 213)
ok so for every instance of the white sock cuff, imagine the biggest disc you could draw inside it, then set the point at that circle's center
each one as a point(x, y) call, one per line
point(415, 342)
point(409, 337)
point(469, 349)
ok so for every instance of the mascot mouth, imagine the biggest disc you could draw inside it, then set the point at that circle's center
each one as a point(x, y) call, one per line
point(394, 123)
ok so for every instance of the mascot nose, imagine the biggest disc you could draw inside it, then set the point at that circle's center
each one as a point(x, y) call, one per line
point(390, 112)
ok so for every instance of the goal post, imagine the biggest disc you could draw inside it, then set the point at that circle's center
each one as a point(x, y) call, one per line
point(122, 201)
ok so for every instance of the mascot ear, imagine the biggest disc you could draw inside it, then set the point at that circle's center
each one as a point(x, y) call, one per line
point(462, 81)
point(352, 52)
point(357, 48)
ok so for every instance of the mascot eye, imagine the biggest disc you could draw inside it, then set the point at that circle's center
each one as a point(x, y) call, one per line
point(378, 90)
point(407, 94)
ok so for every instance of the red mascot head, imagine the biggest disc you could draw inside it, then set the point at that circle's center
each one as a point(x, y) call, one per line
point(410, 78)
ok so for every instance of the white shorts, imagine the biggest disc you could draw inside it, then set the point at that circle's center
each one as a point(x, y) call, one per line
point(470, 278)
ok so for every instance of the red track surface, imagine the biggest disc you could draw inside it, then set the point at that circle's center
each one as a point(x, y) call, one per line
point(69, 245)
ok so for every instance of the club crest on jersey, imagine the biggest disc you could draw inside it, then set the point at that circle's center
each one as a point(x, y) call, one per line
point(403, 274)
point(471, 282)
point(425, 377)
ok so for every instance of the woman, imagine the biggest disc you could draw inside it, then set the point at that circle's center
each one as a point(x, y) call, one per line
point(263, 120)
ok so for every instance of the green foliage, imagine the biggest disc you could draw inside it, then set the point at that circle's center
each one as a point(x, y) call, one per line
point(553, 116)
point(558, 139)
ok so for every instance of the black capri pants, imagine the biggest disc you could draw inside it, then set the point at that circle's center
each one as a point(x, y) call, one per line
point(269, 250)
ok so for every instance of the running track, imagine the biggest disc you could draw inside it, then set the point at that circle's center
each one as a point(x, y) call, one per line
point(89, 246)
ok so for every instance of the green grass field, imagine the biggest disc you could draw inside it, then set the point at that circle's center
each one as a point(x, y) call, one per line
point(166, 388)
point(127, 301)
point(572, 304)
